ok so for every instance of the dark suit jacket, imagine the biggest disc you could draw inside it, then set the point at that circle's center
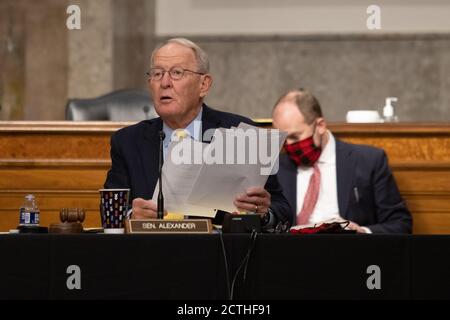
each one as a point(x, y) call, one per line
point(379, 207)
point(135, 150)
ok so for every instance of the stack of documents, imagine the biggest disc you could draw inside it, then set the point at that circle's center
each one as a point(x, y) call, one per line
point(200, 178)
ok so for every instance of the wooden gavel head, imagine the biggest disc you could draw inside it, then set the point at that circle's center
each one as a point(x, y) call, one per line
point(72, 215)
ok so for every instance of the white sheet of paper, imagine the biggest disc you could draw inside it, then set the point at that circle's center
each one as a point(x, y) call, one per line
point(178, 181)
point(282, 135)
point(217, 185)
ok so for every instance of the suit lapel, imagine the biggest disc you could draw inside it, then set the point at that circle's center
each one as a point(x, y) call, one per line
point(344, 174)
point(149, 152)
point(287, 176)
point(209, 121)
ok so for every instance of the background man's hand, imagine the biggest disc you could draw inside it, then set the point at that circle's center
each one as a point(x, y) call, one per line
point(355, 226)
point(144, 209)
point(255, 199)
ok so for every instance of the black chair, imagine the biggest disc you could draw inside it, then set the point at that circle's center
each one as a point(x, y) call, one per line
point(121, 105)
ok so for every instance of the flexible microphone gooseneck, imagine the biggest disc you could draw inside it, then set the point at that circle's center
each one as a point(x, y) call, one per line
point(160, 213)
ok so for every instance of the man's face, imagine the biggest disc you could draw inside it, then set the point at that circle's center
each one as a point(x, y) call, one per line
point(178, 99)
point(287, 117)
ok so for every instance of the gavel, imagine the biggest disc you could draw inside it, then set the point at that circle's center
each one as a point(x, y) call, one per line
point(72, 215)
point(71, 219)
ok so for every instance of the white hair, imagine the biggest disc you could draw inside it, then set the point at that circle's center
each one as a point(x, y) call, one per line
point(200, 56)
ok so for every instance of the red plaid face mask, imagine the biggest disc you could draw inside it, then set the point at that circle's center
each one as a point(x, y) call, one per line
point(303, 152)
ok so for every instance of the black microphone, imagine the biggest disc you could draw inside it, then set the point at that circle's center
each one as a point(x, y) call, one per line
point(160, 213)
point(146, 109)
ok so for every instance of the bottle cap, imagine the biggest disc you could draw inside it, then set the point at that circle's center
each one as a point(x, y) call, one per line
point(29, 197)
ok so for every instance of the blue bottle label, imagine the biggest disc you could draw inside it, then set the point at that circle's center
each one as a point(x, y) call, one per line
point(28, 217)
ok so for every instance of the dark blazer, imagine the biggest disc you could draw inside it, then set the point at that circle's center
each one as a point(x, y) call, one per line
point(377, 205)
point(135, 150)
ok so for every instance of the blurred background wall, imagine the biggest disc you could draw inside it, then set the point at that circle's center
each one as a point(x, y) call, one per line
point(258, 50)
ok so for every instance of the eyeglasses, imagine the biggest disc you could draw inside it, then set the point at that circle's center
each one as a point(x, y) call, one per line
point(175, 73)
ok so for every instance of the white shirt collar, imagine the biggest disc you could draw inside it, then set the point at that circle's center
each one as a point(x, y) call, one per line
point(194, 129)
point(328, 154)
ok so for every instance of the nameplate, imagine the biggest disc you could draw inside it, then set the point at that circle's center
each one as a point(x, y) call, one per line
point(157, 226)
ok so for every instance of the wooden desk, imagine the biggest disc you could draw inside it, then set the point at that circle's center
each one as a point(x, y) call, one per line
point(65, 163)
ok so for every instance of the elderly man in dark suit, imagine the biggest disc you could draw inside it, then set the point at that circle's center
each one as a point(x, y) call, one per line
point(179, 80)
point(324, 178)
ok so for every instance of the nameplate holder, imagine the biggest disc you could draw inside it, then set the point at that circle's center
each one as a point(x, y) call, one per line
point(158, 226)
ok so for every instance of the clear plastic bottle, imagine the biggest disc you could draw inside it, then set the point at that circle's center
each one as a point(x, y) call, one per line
point(29, 212)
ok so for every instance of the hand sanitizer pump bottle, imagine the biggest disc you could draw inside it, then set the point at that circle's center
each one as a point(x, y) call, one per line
point(388, 110)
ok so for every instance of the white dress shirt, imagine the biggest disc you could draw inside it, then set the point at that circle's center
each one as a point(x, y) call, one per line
point(327, 204)
point(193, 130)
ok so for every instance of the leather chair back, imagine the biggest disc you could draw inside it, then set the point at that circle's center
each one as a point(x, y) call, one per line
point(121, 105)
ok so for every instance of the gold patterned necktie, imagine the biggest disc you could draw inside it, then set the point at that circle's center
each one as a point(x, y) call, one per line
point(180, 134)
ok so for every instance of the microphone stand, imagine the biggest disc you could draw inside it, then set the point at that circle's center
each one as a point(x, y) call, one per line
point(160, 213)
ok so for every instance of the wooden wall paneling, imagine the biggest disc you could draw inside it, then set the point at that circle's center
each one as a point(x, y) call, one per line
point(65, 163)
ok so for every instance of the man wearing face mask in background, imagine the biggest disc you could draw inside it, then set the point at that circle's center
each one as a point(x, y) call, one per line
point(324, 178)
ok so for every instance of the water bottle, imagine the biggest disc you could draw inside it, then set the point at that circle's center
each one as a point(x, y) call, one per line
point(29, 212)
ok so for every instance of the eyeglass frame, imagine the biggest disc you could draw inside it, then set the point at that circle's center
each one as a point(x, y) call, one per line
point(170, 76)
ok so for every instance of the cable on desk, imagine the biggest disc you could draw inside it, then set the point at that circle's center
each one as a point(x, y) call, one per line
point(227, 271)
point(244, 262)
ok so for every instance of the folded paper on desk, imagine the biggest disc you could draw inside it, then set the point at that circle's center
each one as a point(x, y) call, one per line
point(200, 178)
